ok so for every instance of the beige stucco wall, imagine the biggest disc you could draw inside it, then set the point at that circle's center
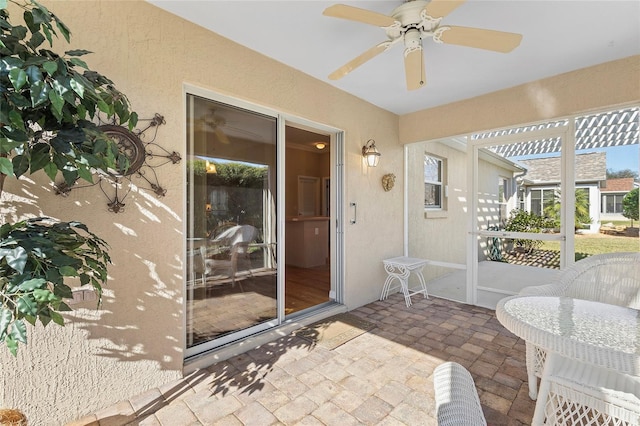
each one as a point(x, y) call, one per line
point(437, 235)
point(135, 341)
point(611, 83)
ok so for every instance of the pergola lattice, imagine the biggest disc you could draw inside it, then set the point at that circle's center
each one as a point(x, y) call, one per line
point(604, 130)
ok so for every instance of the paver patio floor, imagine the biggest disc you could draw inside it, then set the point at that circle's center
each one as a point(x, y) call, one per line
point(382, 377)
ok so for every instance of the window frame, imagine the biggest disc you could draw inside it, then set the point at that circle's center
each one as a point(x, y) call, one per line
point(542, 199)
point(440, 184)
point(504, 195)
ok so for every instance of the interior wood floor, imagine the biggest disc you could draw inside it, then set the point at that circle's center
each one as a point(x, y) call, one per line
point(306, 287)
point(221, 307)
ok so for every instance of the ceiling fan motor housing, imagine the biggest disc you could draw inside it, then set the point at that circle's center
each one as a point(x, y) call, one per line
point(411, 18)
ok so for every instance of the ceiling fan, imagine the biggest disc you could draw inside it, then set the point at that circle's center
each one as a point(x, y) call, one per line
point(410, 23)
point(216, 122)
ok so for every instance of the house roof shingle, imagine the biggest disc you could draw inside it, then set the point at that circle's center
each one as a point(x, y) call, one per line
point(618, 185)
point(588, 168)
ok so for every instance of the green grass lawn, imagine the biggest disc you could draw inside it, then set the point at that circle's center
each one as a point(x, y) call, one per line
point(590, 244)
point(548, 254)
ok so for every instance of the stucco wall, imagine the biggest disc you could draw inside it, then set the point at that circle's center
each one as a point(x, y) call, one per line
point(438, 235)
point(611, 83)
point(135, 341)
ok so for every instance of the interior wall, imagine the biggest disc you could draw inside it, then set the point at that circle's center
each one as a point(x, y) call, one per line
point(596, 87)
point(302, 163)
point(135, 341)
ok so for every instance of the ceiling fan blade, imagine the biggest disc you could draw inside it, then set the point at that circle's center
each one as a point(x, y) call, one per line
point(497, 41)
point(414, 68)
point(222, 137)
point(359, 60)
point(441, 8)
point(360, 15)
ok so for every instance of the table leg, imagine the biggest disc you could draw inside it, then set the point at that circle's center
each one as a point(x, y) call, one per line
point(401, 273)
point(532, 360)
point(423, 283)
point(386, 287)
point(543, 394)
point(405, 290)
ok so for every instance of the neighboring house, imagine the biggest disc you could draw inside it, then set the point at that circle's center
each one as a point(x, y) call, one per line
point(538, 186)
point(613, 192)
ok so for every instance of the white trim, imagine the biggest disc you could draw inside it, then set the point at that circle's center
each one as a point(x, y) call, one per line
point(472, 240)
point(281, 168)
point(405, 204)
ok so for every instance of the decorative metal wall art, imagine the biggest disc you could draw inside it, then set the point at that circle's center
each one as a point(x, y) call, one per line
point(144, 158)
point(388, 181)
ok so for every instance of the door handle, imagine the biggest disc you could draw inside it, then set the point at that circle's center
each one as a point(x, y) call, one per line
point(355, 212)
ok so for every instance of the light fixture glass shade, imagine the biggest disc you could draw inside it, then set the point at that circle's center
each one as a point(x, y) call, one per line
point(370, 153)
point(320, 145)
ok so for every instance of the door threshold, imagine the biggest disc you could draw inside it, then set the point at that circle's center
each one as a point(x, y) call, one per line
point(240, 346)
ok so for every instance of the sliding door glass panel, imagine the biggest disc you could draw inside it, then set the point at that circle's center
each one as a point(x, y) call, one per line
point(231, 232)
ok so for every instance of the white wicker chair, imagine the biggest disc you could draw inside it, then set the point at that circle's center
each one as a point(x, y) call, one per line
point(584, 395)
point(457, 401)
point(612, 278)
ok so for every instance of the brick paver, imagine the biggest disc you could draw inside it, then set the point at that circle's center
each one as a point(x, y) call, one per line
point(382, 377)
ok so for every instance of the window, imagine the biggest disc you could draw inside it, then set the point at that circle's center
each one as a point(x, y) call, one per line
point(219, 200)
point(612, 203)
point(433, 182)
point(541, 199)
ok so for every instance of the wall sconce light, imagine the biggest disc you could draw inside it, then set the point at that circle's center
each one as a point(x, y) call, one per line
point(320, 145)
point(211, 168)
point(370, 153)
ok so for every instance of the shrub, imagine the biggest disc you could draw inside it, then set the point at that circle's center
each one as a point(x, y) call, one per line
point(523, 221)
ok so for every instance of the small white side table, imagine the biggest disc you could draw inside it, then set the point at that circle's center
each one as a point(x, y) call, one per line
point(400, 268)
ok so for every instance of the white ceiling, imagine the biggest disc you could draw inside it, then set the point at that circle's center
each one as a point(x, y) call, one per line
point(558, 36)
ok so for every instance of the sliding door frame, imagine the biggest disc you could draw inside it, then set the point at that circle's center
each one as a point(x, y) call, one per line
point(336, 223)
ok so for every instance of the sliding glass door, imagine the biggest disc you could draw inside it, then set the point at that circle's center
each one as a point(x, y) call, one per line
point(232, 281)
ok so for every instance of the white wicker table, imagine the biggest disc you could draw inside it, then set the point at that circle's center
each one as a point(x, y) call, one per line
point(603, 336)
point(400, 268)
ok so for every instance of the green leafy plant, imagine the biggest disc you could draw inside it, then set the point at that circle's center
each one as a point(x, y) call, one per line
point(37, 256)
point(581, 216)
point(523, 221)
point(630, 205)
point(49, 107)
point(49, 100)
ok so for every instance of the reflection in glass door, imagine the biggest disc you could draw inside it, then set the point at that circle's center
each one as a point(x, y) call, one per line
point(231, 232)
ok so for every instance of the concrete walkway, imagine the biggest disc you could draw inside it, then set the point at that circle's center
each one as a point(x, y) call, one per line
point(382, 377)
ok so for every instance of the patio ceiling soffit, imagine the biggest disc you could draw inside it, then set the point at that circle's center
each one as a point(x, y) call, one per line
point(604, 130)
